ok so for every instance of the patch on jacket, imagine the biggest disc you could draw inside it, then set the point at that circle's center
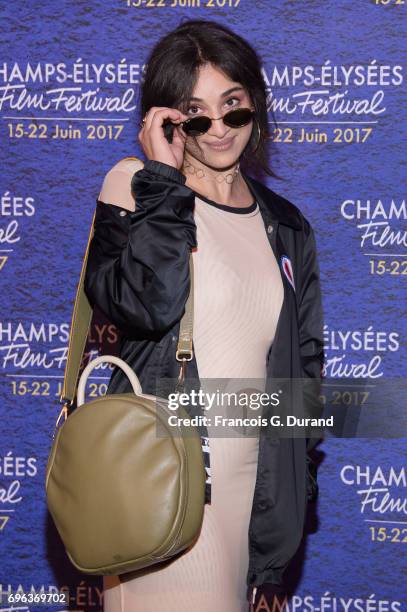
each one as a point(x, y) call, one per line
point(208, 482)
point(288, 270)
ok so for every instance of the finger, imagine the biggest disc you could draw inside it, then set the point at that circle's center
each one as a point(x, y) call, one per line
point(179, 137)
point(143, 121)
point(159, 115)
point(149, 115)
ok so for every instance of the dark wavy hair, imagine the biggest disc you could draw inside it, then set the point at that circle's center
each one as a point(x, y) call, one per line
point(172, 72)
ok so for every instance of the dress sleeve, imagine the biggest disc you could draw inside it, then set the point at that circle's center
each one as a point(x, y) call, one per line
point(138, 262)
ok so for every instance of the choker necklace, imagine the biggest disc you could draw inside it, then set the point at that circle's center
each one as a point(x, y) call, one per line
point(228, 177)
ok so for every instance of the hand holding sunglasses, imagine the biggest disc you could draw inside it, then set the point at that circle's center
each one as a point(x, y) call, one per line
point(158, 138)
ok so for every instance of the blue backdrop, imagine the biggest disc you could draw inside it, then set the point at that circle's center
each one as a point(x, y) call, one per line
point(69, 81)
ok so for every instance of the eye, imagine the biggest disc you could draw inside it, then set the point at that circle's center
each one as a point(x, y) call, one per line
point(231, 100)
point(193, 106)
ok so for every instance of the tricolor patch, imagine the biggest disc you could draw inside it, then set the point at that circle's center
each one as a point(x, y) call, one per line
point(288, 270)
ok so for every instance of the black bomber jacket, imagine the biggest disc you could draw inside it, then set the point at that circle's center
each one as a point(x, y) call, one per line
point(138, 275)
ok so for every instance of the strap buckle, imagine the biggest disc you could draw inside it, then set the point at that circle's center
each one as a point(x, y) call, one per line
point(181, 376)
point(63, 412)
point(184, 352)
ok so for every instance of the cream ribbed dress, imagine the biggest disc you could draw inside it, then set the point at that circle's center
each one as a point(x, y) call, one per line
point(238, 296)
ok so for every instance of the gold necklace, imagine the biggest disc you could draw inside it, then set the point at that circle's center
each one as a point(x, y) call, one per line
point(228, 177)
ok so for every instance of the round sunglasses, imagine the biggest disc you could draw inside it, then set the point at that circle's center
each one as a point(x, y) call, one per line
point(238, 117)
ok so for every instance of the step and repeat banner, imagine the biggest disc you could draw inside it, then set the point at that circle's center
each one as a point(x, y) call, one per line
point(70, 74)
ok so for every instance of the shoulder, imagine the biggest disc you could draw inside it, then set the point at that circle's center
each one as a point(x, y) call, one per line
point(285, 211)
point(116, 186)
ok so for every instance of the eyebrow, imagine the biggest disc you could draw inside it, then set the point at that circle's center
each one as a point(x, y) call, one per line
point(225, 93)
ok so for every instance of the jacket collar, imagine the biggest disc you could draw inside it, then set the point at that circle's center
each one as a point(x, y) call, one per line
point(276, 207)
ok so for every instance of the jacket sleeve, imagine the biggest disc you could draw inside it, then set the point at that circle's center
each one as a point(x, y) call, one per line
point(138, 261)
point(311, 347)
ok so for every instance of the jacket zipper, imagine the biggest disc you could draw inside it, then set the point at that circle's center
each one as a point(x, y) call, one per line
point(272, 239)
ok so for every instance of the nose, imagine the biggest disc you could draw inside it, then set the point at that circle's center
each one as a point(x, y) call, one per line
point(218, 128)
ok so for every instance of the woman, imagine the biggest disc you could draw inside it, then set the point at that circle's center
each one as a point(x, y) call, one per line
point(257, 308)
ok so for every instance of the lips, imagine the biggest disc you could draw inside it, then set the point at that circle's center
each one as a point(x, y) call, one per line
point(221, 145)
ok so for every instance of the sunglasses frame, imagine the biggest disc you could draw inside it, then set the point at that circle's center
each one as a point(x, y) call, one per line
point(234, 110)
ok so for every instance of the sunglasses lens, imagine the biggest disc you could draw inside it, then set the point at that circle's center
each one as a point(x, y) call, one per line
point(238, 118)
point(196, 126)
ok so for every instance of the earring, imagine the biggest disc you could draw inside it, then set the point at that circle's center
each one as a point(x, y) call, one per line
point(258, 137)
